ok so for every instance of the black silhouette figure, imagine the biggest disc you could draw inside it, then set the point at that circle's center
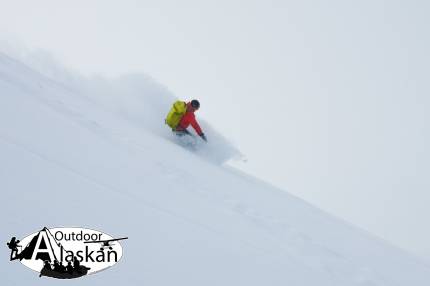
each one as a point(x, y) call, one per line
point(76, 263)
point(13, 246)
point(62, 268)
point(46, 267)
point(57, 267)
point(69, 268)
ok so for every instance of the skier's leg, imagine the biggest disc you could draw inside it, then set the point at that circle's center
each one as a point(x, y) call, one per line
point(181, 132)
point(185, 138)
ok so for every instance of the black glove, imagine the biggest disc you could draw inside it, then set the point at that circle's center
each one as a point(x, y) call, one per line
point(203, 137)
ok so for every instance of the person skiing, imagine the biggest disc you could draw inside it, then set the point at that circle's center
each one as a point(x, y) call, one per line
point(181, 116)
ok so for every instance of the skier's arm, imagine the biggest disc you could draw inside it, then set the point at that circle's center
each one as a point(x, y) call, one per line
point(196, 126)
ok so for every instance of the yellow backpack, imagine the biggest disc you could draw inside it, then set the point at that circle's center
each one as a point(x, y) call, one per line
point(175, 114)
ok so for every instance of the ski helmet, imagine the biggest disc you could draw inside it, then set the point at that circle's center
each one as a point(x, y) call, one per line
point(195, 104)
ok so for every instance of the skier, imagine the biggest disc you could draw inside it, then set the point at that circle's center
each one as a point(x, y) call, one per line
point(181, 115)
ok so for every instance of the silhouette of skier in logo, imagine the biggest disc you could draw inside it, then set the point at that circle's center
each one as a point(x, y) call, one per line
point(13, 246)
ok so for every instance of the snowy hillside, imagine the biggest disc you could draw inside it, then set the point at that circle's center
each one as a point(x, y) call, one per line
point(74, 153)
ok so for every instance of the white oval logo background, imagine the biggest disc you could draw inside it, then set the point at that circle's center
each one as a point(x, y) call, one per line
point(64, 243)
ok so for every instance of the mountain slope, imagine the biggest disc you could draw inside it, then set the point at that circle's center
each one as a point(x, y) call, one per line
point(69, 158)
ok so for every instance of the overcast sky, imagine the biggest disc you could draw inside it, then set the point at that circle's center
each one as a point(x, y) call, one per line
point(327, 99)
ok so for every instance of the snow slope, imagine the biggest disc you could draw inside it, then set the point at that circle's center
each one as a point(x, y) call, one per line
point(73, 153)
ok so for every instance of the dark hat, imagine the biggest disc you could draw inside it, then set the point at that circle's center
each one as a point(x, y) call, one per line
point(195, 104)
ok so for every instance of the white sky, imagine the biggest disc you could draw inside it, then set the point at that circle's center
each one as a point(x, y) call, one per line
point(327, 99)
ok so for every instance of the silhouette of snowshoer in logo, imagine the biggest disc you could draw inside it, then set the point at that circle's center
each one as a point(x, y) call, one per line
point(13, 246)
